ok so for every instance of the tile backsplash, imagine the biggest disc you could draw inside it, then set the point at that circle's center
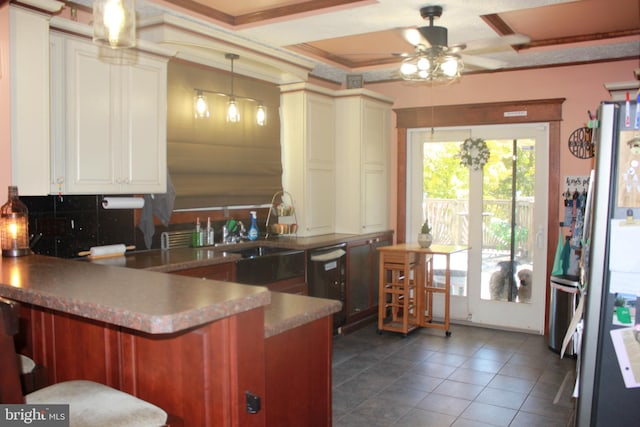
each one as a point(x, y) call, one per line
point(64, 226)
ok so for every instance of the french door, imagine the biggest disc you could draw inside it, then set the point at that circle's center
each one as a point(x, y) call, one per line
point(499, 211)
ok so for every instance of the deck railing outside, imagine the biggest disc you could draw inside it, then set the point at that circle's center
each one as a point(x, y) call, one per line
point(449, 220)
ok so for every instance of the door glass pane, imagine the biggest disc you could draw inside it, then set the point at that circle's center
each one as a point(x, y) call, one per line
point(507, 224)
point(446, 205)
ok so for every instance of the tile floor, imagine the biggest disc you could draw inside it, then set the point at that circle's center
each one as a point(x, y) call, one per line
point(477, 377)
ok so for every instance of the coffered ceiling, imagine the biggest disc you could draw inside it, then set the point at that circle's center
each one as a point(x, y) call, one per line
point(365, 37)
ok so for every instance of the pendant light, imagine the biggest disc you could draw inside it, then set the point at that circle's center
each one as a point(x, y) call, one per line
point(261, 115)
point(201, 107)
point(114, 23)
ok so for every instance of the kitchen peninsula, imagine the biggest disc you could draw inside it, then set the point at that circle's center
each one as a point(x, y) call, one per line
point(197, 348)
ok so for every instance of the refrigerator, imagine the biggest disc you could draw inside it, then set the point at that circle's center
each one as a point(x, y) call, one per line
point(609, 361)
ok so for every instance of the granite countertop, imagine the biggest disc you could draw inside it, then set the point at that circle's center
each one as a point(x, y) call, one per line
point(143, 298)
point(177, 259)
point(145, 301)
point(287, 311)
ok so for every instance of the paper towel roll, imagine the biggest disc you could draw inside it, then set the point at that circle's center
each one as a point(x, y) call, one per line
point(122, 202)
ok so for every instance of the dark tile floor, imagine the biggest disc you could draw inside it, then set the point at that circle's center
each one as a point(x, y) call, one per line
point(477, 377)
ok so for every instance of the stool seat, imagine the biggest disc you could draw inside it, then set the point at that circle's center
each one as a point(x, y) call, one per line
point(95, 405)
point(90, 404)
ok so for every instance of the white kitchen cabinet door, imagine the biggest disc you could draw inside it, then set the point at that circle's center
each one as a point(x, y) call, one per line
point(29, 53)
point(308, 140)
point(115, 126)
point(144, 131)
point(362, 158)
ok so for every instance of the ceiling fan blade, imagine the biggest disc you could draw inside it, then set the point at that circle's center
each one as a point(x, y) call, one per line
point(497, 43)
point(402, 54)
point(456, 48)
point(481, 62)
point(414, 38)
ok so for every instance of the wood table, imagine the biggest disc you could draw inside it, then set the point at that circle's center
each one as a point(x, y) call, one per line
point(425, 286)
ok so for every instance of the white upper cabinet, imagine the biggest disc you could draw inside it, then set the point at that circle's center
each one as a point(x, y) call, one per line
point(363, 121)
point(308, 152)
point(29, 52)
point(109, 120)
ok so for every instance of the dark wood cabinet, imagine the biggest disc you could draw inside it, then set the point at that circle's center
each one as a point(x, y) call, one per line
point(362, 279)
point(298, 376)
point(225, 272)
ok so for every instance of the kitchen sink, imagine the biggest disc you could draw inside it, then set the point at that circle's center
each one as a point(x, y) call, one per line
point(261, 265)
point(259, 251)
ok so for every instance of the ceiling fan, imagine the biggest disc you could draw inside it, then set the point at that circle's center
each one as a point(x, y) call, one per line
point(434, 60)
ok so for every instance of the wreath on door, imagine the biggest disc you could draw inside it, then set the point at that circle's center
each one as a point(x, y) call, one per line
point(474, 153)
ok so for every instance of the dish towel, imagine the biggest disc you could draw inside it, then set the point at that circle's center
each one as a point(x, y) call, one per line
point(624, 262)
point(160, 205)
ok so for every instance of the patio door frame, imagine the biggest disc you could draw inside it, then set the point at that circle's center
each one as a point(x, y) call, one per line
point(533, 111)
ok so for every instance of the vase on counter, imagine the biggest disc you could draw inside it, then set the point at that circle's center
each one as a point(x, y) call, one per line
point(424, 237)
point(425, 240)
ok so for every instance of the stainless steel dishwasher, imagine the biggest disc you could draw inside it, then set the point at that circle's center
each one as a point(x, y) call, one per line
point(326, 277)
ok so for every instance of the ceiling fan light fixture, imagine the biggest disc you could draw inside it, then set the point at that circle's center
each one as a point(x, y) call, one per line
point(432, 65)
point(408, 68)
point(423, 63)
point(451, 66)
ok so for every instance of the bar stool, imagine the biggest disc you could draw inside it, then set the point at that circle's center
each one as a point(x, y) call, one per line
point(397, 304)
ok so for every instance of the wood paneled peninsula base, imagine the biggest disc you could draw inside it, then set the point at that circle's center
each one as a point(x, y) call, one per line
point(197, 348)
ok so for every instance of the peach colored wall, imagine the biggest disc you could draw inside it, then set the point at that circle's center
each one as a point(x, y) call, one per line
point(581, 85)
point(5, 101)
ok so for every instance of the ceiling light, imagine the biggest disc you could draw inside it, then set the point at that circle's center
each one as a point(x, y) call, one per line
point(233, 115)
point(434, 65)
point(201, 108)
point(261, 115)
point(114, 23)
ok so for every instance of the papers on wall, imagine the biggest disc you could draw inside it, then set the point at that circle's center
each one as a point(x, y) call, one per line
point(624, 262)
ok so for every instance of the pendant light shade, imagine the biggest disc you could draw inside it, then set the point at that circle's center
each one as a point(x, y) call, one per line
point(261, 115)
point(200, 106)
point(233, 114)
point(114, 23)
